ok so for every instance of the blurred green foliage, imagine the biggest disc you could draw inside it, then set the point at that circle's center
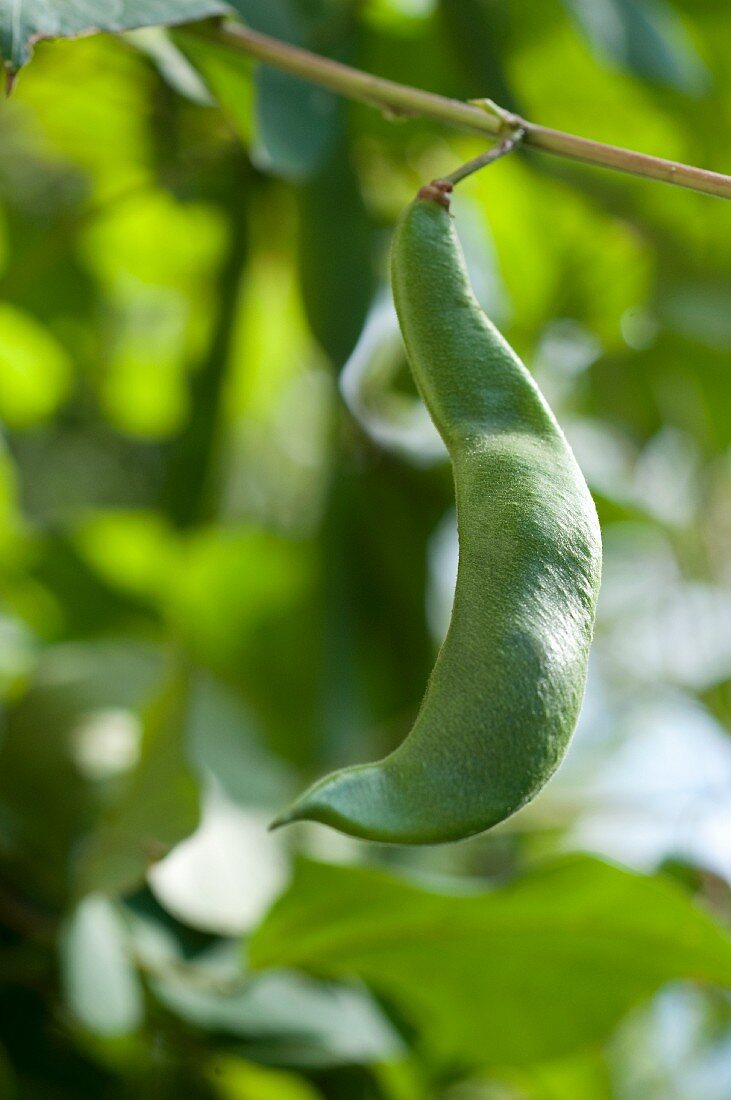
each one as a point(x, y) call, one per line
point(227, 551)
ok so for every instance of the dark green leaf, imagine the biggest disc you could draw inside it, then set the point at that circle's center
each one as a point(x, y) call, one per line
point(335, 255)
point(23, 22)
point(476, 31)
point(294, 120)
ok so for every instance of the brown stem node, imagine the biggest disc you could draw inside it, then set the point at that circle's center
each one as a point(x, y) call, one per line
point(436, 191)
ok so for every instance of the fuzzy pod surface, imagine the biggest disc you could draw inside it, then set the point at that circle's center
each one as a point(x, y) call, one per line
point(505, 693)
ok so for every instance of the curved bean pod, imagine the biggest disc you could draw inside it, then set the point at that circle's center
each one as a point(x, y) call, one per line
point(506, 690)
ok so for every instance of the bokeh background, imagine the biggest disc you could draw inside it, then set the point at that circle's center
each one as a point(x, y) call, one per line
point(228, 553)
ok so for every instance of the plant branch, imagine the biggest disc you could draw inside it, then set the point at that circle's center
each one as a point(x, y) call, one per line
point(401, 99)
point(509, 142)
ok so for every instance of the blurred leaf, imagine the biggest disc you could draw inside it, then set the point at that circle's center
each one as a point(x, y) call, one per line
point(157, 806)
point(195, 472)
point(154, 256)
point(477, 32)
point(285, 1018)
point(238, 1080)
point(100, 982)
point(35, 371)
point(675, 382)
point(582, 1077)
point(223, 743)
point(645, 36)
point(335, 255)
point(134, 551)
point(11, 520)
point(157, 44)
point(227, 75)
point(578, 264)
point(377, 651)
point(226, 874)
point(697, 310)
point(479, 974)
point(97, 130)
point(614, 107)
point(83, 602)
point(294, 120)
point(42, 749)
point(243, 603)
point(76, 466)
point(150, 239)
point(143, 392)
point(232, 582)
point(24, 22)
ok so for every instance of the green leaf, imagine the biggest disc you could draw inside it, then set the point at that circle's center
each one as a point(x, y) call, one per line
point(525, 973)
point(157, 806)
point(335, 255)
point(644, 36)
point(294, 121)
point(24, 22)
point(238, 1080)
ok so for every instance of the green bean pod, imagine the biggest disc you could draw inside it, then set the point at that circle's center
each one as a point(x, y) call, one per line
point(506, 690)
